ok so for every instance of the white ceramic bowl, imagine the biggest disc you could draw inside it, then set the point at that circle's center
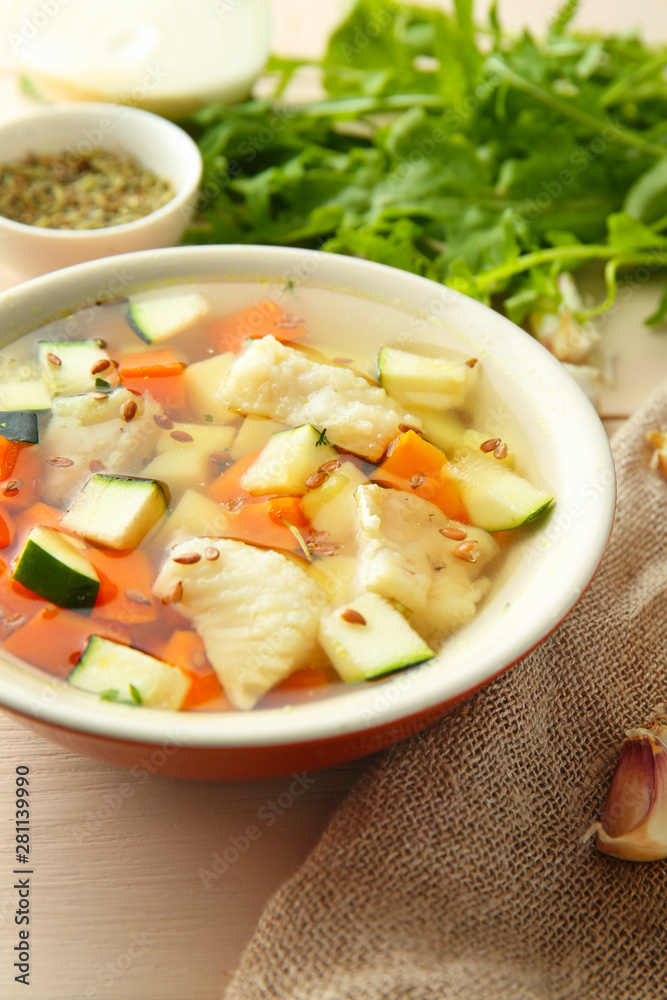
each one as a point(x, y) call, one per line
point(540, 581)
point(158, 144)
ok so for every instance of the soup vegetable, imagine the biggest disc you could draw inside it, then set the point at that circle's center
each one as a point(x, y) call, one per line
point(204, 505)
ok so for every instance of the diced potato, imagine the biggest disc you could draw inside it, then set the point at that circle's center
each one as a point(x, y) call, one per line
point(338, 515)
point(180, 469)
point(253, 434)
point(194, 514)
point(202, 381)
point(205, 437)
point(313, 501)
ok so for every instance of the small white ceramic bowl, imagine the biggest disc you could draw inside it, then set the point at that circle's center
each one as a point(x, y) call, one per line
point(159, 145)
point(541, 579)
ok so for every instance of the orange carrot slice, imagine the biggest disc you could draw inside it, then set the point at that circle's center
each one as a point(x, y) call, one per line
point(186, 650)
point(7, 530)
point(156, 372)
point(254, 522)
point(227, 486)
point(259, 320)
point(417, 466)
point(22, 487)
point(151, 364)
point(9, 452)
point(169, 391)
point(288, 509)
point(39, 513)
point(307, 677)
point(126, 579)
point(54, 639)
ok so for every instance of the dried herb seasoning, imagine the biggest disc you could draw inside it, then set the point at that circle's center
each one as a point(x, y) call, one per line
point(66, 191)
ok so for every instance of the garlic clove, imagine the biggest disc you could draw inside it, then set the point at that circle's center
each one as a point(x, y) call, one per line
point(633, 824)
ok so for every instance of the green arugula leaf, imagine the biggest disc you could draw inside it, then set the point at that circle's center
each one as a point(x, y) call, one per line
point(490, 162)
point(660, 314)
point(647, 198)
point(626, 233)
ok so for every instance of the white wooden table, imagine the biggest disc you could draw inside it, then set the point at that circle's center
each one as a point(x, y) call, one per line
point(121, 903)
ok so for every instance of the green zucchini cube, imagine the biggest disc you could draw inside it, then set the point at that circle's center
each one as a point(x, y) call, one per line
point(117, 511)
point(120, 673)
point(53, 566)
point(369, 637)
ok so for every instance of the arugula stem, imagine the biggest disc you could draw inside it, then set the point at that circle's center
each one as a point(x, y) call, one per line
point(593, 251)
point(622, 135)
point(618, 90)
point(656, 260)
point(367, 105)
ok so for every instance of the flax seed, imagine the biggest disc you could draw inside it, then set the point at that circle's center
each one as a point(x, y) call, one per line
point(456, 534)
point(500, 451)
point(163, 421)
point(471, 362)
point(330, 466)
point(353, 617)
point(181, 436)
point(60, 462)
point(53, 359)
point(174, 595)
point(95, 465)
point(490, 445)
point(100, 366)
point(128, 410)
point(211, 553)
point(417, 479)
point(391, 447)
point(316, 480)
point(187, 559)
point(138, 598)
point(198, 659)
point(465, 551)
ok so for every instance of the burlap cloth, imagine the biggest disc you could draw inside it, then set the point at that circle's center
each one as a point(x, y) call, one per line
point(455, 867)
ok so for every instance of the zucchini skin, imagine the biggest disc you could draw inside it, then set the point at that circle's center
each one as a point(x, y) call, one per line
point(134, 326)
point(19, 425)
point(41, 573)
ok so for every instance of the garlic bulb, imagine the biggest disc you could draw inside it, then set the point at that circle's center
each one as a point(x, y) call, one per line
point(633, 824)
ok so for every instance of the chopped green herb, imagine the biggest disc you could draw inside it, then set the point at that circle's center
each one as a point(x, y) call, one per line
point(208, 417)
point(102, 385)
point(322, 439)
point(110, 695)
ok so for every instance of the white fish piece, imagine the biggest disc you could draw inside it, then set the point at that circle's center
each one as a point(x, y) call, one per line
point(256, 611)
point(403, 555)
point(122, 446)
point(275, 381)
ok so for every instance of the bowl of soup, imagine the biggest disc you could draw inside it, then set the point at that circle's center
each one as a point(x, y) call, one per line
point(265, 510)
